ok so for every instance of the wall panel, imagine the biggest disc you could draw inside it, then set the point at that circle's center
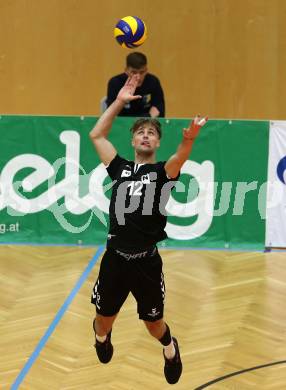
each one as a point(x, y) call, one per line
point(223, 57)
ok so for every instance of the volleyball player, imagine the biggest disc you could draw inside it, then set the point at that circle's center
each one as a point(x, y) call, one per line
point(137, 215)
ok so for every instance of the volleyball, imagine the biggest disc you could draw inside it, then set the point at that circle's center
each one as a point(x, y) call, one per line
point(130, 32)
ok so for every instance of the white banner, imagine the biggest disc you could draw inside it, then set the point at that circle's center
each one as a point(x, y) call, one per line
point(276, 186)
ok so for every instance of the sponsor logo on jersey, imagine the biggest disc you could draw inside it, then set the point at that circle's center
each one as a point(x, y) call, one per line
point(145, 179)
point(125, 173)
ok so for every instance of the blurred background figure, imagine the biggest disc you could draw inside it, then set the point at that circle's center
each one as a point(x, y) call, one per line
point(152, 102)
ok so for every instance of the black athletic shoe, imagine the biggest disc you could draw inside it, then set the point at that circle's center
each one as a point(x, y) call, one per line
point(173, 367)
point(104, 350)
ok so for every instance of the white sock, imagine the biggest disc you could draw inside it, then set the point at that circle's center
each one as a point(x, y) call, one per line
point(101, 339)
point(169, 350)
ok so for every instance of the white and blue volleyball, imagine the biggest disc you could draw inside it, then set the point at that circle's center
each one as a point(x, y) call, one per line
point(130, 32)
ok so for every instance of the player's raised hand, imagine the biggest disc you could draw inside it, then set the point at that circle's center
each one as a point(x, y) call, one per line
point(126, 93)
point(193, 130)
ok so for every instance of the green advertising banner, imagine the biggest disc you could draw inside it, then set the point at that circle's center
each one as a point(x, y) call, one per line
point(54, 189)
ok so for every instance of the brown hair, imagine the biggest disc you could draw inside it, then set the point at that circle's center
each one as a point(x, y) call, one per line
point(136, 60)
point(144, 121)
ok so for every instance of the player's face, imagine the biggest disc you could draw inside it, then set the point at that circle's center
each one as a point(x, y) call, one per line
point(140, 72)
point(146, 139)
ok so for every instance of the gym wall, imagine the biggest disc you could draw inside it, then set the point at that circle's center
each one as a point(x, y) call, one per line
point(226, 58)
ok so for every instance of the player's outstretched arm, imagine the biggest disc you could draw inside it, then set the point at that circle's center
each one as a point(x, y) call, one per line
point(175, 162)
point(99, 133)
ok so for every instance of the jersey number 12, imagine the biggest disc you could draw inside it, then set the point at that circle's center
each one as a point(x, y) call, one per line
point(135, 188)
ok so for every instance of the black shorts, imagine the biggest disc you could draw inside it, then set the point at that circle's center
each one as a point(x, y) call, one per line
point(139, 273)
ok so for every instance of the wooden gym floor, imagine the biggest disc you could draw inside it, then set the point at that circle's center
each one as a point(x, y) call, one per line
point(227, 310)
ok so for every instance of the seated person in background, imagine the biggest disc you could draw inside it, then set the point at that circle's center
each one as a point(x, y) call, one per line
point(152, 103)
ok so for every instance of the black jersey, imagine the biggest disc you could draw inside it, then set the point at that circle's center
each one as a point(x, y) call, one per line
point(151, 92)
point(137, 215)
